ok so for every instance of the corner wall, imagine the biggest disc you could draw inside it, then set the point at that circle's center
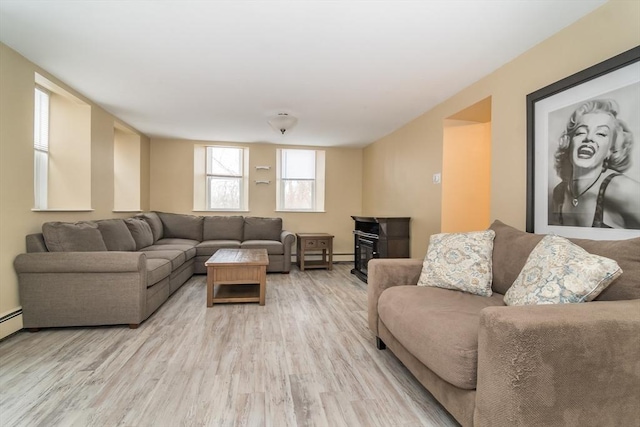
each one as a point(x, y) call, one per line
point(16, 173)
point(397, 169)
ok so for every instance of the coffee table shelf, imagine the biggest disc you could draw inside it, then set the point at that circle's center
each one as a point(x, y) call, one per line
point(237, 275)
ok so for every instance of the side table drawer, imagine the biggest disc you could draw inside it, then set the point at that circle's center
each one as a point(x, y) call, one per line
point(323, 244)
point(310, 244)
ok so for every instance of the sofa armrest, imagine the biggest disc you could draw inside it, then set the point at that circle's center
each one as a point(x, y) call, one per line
point(384, 273)
point(82, 288)
point(575, 364)
point(288, 239)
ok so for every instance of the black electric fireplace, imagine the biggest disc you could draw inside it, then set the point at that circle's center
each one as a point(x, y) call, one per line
point(377, 237)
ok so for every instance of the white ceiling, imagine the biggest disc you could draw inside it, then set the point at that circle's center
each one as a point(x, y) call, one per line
point(351, 71)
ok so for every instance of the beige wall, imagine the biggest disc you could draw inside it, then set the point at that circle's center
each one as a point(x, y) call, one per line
point(172, 191)
point(398, 168)
point(126, 166)
point(466, 176)
point(16, 172)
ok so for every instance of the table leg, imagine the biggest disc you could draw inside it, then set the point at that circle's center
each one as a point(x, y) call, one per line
point(330, 261)
point(263, 284)
point(210, 275)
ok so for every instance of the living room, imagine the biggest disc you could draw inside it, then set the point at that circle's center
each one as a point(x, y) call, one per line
point(391, 176)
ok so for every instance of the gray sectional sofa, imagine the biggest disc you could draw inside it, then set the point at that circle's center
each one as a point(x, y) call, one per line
point(119, 271)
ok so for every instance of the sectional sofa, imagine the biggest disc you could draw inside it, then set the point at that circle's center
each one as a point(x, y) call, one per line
point(119, 271)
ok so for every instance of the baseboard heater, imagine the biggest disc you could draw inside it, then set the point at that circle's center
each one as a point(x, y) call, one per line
point(11, 315)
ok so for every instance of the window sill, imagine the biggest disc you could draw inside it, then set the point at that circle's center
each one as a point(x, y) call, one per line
point(298, 211)
point(221, 210)
point(62, 210)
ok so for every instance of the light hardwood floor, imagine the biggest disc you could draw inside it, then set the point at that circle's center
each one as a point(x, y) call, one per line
point(306, 358)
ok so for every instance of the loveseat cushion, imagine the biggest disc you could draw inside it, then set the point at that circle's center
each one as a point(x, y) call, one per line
point(177, 258)
point(155, 223)
point(157, 269)
point(181, 226)
point(116, 235)
point(141, 232)
point(223, 228)
point(273, 247)
point(209, 247)
point(257, 228)
point(80, 236)
point(439, 327)
point(511, 249)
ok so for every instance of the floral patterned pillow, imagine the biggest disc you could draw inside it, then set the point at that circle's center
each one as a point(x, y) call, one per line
point(558, 271)
point(459, 261)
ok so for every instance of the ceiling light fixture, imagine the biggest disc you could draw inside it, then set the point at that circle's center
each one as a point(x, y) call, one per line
point(282, 122)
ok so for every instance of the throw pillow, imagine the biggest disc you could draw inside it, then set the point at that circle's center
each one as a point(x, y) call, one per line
point(459, 261)
point(116, 235)
point(141, 232)
point(72, 237)
point(558, 271)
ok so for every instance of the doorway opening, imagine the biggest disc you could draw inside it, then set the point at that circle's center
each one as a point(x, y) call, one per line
point(466, 169)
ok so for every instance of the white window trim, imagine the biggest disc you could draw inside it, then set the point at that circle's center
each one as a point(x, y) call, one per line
point(318, 187)
point(41, 150)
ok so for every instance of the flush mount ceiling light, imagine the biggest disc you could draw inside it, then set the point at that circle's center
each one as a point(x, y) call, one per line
point(282, 122)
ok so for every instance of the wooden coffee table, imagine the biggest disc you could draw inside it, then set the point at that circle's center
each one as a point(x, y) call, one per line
point(237, 275)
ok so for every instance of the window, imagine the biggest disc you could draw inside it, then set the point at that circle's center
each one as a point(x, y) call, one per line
point(300, 180)
point(226, 183)
point(41, 147)
point(62, 149)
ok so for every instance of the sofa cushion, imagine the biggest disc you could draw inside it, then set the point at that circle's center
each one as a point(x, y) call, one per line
point(559, 272)
point(223, 228)
point(511, 249)
point(116, 235)
point(140, 231)
point(189, 251)
point(175, 241)
point(80, 236)
point(627, 254)
point(273, 247)
point(439, 327)
point(209, 247)
point(155, 223)
point(256, 228)
point(181, 226)
point(157, 269)
point(459, 261)
point(177, 258)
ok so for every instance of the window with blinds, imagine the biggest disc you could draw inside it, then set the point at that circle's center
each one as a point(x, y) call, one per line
point(300, 180)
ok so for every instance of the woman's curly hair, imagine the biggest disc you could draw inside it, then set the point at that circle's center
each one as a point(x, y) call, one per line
point(619, 158)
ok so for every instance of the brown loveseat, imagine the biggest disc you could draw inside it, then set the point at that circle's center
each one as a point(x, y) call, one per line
point(119, 271)
point(493, 365)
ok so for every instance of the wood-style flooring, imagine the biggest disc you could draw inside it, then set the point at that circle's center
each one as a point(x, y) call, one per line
point(306, 358)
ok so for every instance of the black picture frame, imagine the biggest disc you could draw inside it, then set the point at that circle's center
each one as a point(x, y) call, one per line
point(561, 94)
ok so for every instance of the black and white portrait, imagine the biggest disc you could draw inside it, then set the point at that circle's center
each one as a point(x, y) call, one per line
point(594, 159)
point(583, 152)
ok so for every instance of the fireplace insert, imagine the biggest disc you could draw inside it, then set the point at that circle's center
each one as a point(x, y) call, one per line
point(378, 238)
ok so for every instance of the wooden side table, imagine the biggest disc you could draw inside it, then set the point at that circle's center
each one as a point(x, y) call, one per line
point(310, 242)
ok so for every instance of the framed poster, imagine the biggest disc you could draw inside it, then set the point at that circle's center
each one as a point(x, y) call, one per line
point(583, 152)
